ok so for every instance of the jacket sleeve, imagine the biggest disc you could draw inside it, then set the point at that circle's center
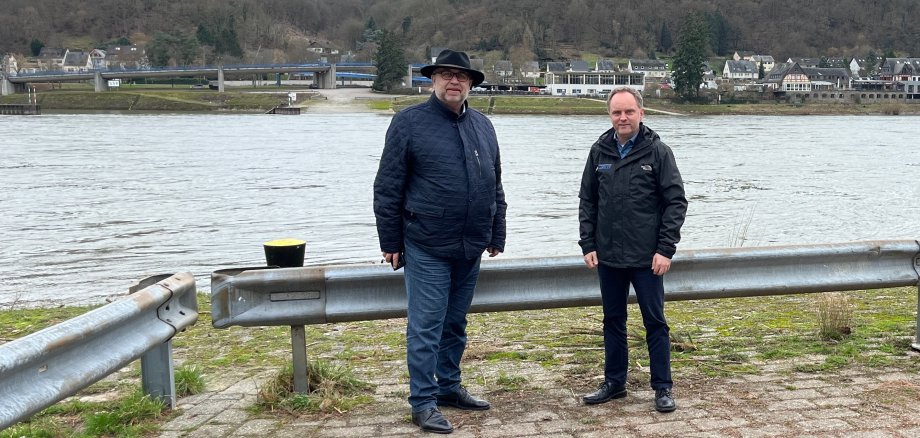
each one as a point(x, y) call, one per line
point(673, 204)
point(498, 221)
point(390, 186)
point(587, 206)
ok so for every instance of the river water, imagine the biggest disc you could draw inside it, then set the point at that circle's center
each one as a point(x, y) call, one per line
point(90, 203)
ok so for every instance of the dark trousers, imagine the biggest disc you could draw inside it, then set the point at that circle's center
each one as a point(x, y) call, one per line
point(650, 296)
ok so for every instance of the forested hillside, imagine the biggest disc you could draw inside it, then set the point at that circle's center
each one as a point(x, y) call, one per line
point(282, 30)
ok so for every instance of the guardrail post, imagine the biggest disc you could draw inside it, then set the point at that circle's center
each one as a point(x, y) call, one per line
point(916, 344)
point(157, 375)
point(299, 346)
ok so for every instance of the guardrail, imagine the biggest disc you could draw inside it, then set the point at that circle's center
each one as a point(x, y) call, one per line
point(316, 295)
point(45, 367)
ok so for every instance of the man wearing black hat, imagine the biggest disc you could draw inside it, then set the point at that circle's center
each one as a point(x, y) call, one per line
point(439, 204)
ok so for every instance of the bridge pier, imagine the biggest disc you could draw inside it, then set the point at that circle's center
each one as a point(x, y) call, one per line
point(325, 80)
point(220, 78)
point(100, 83)
point(408, 79)
point(6, 87)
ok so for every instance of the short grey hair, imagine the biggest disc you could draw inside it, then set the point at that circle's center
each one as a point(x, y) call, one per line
point(629, 90)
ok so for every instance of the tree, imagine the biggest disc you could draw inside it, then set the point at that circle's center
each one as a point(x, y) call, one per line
point(691, 54)
point(36, 47)
point(391, 62)
point(760, 71)
point(406, 24)
point(665, 44)
point(720, 33)
point(168, 49)
point(220, 33)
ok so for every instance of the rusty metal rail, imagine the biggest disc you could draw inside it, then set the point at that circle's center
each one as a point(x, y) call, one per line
point(45, 367)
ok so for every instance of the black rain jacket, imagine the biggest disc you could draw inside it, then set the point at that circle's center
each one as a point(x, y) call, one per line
point(439, 183)
point(633, 207)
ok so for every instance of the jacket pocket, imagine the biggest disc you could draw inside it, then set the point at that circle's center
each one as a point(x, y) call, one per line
point(421, 209)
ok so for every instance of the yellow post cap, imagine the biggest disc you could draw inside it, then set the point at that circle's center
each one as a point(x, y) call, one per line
point(285, 242)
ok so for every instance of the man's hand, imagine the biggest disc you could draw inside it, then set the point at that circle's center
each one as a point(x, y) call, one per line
point(591, 259)
point(392, 258)
point(493, 251)
point(660, 264)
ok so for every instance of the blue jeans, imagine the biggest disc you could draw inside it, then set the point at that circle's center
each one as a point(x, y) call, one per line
point(440, 291)
point(650, 296)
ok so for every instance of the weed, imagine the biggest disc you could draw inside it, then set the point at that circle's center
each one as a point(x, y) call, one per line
point(834, 315)
point(331, 388)
point(189, 380)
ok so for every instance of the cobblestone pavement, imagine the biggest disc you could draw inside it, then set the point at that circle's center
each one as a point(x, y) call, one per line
point(773, 403)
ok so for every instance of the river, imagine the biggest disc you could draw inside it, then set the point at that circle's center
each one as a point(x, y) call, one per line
point(91, 203)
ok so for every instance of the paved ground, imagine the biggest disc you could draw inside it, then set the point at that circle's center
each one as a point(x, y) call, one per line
point(776, 402)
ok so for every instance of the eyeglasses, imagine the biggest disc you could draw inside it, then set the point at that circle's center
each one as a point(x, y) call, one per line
point(447, 75)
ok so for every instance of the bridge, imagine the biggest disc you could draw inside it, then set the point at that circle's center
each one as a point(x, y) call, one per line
point(324, 74)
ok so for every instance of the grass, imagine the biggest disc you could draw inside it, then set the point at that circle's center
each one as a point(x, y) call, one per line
point(710, 338)
point(143, 99)
point(134, 415)
point(189, 380)
point(332, 388)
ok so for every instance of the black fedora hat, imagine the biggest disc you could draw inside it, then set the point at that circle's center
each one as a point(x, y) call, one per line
point(458, 60)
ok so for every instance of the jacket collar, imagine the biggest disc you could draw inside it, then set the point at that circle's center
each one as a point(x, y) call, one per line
point(608, 141)
point(445, 111)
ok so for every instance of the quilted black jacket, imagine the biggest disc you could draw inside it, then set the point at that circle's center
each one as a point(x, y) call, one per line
point(439, 183)
point(633, 207)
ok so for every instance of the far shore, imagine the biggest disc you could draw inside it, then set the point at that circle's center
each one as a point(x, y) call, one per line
point(346, 100)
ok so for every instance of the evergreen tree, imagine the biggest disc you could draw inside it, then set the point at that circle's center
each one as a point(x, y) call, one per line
point(760, 71)
point(720, 33)
point(665, 44)
point(406, 24)
point(691, 54)
point(165, 49)
point(871, 63)
point(36, 47)
point(391, 62)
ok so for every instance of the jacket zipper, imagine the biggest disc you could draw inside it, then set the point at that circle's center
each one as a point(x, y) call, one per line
point(478, 163)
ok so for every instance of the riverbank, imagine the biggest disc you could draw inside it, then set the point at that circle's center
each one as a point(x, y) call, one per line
point(365, 100)
point(742, 367)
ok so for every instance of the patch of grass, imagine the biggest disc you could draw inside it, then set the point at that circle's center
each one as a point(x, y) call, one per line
point(134, 415)
point(129, 417)
point(510, 383)
point(332, 388)
point(189, 380)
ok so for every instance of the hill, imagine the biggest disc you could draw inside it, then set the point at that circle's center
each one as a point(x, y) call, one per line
point(287, 31)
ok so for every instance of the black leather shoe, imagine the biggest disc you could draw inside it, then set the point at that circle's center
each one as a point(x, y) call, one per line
point(461, 399)
point(664, 401)
point(431, 420)
point(604, 393)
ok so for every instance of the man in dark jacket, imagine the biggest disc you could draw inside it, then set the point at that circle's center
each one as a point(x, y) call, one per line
point(631, 210)
point(439, 204)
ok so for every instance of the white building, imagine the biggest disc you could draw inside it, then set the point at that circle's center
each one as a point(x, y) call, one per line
point(575, 83)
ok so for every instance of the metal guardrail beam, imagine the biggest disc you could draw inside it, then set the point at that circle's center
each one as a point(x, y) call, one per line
point(316, 295)
point(45, 367)
point(300, 296)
